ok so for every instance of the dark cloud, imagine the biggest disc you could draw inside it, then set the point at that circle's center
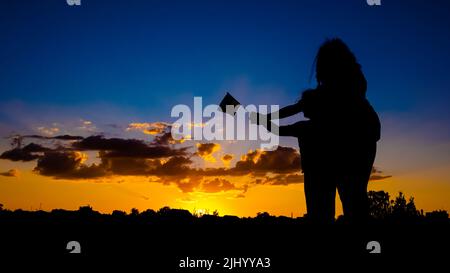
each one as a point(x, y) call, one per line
point(281, 160)
point(205, 149)
point(33, 151)
point(35, 148)
point(378, 175)
point(227, 157)
point(159, 159)
point(165, 139)
point(375, 177)
point(28, 153)
point(283, 179)
point(68, 137)
point(177, 165)
point(68, 165)
point(217, 185)
point(193, 183)
point(259, 163)
point(127, 166)
point(99, 142)
point(18, 155)
point(187, 184)
point(174, 166)
point(60, 137)
point(130, 148)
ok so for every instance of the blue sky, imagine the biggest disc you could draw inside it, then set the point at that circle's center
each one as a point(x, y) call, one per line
point(146, 55)
point(125, 61)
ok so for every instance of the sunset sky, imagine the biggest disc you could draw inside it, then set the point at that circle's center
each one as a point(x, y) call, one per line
point(90, 90)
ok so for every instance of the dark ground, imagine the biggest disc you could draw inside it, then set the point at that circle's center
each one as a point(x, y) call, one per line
point(156, 242)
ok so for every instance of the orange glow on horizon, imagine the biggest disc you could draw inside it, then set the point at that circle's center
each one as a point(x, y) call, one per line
point(30, 191)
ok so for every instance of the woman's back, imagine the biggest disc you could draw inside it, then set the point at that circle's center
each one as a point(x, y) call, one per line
point(342, 130)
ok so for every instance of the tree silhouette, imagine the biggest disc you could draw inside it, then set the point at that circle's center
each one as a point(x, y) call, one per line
point(437, 216)
point(381, 207)
point(134, 212)
point(119, 213)
point(404, 209)
point(379, 204)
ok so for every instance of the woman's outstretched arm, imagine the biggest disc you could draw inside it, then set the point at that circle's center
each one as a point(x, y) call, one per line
point(293, 130)
point(289, 110)
point(284, 112)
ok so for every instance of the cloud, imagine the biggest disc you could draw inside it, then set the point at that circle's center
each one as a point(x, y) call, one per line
point(378, 175)
point(226, 159)
point(217, 185)
point(69, 165)
point(283, 179)
point(87, 125)
point(187, 184)
point(28, 153)
point(130, 148)
point(284, 162)
point(149, 128)
point(162, 162)
point(166, 139)
point(257, 163)
point(375, 177)
point(280, 160)
point(136, 157)
point(59, 137)
point(196, 183)
point(68, 137)
point(175, 166)
point(126, 166)
point(50, 131)
point(32, 150)
point(11, 173)
point(205, 151)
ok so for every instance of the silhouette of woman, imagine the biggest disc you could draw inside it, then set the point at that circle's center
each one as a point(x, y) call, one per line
point(338, 142)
